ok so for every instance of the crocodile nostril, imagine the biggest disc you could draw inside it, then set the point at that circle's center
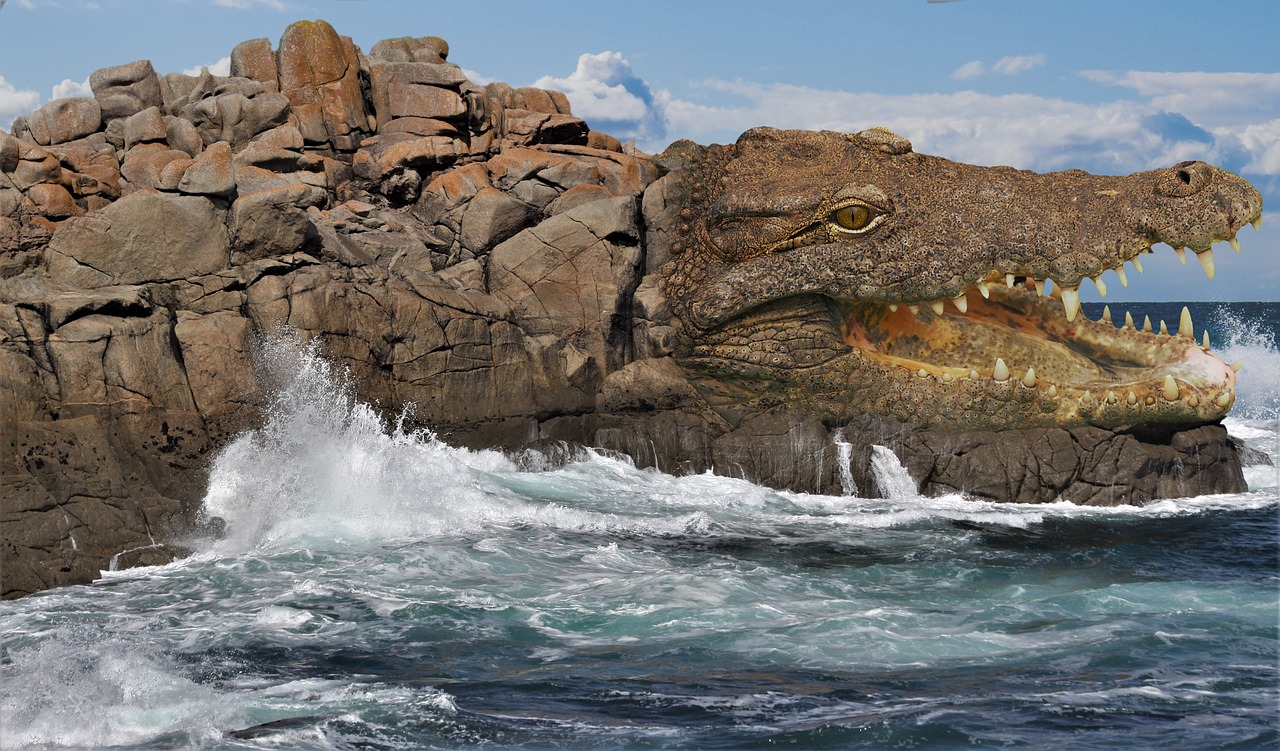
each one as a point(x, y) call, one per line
point(1184, 179)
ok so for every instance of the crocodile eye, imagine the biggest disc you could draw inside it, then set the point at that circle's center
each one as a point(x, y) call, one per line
point(856, 218)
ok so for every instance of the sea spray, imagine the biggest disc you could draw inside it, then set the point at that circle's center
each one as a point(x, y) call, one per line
point(1253, 342)
point(380, 589)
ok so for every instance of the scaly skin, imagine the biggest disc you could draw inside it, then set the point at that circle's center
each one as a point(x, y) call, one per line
point(846, 275)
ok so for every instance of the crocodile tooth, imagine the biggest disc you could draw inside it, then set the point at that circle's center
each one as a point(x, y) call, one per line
point(1106, 314)
point(984, 289)
point(947, 378)
point(1150, 400)
point(1237, 365)
point(1008, 280)
point(1136, 263)
point(1170, 388)
point(922, 373)
point(1111, 397)
point(1001, 372)
point(936, 307)
point(1132, 398)
point(1128, 321)
point(1053, 391)
point(1224, 398)
point(1146, 324)
point(1124, 280)
point(1234, 243)
point(914, 309)
point(1029, 380)
point(1182, 255)
point(1257, 224)
point(893, 307)
point(1193, 401)
point(1101, 285)
point(1206, 340)
point(973, 374)
point(1071, 302)
point(1039, 287)
point(1163, 328)
point(1205, 257)
point(1184, 325)
point(961, 303)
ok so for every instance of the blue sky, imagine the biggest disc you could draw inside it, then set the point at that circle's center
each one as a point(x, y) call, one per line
point(1111, 87)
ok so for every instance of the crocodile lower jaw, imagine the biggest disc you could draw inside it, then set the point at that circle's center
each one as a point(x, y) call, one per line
point(1076, 372)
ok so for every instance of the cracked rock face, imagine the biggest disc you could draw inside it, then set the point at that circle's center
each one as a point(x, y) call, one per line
point(480, 253)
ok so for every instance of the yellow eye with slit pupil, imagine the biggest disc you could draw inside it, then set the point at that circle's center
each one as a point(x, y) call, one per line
point(853, 218)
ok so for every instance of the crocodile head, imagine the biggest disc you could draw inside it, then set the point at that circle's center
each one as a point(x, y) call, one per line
point(847, 275)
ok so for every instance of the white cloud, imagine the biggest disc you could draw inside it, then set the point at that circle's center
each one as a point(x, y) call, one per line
point(605, 92)
point(247, 4)
point(69, 88)
point(1015, 64)
point(1022, 130)
point(220, 68)
point(1211, 99)
point(972, 69)
point(1010, 65)
point(479, 79)
point(15, 102)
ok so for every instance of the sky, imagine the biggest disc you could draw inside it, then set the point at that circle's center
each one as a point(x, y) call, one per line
point(1109, 87)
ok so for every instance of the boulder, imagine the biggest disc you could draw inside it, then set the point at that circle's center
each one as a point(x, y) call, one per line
point(425, 90)
point(89, 168)
point(272, 222)
point(53, 201)
point(572, 275)
point(235, 118)
point(211, 173)
point(491, 217)
point(126, 89)
point(385, 155)
point(9, 152)
point(146, 126)
point(319, 74)
point(143, 237)
point(145, 163)
point(35, 165)
point(181, 134)
point(411, 50)
point(65, 120)
point(255, 59)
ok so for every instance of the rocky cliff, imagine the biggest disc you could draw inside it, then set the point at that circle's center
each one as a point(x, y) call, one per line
point(475, 251)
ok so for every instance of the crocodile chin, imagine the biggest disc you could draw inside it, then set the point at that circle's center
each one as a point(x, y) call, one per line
point(1019, 347)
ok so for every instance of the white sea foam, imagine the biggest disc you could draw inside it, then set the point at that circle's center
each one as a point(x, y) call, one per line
point(326, 470)
point(1258, 383)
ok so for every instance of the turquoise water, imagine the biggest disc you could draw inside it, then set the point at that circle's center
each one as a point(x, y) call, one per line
point(378, 589)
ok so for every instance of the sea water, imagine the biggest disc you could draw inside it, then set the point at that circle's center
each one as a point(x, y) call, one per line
point(379, 589)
